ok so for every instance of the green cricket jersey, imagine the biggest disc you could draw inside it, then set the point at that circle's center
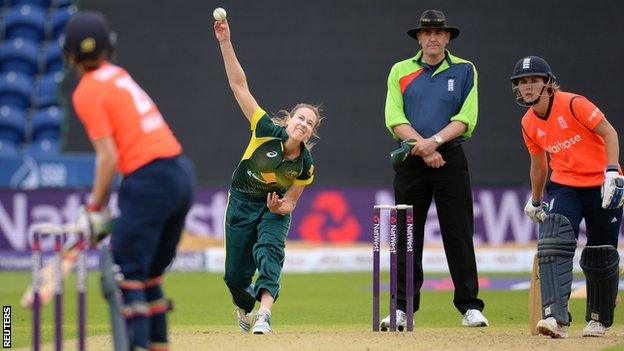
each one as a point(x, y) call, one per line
point(263, 168)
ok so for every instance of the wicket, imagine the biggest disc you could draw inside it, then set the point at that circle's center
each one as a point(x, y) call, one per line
point(409, 263)
point(58, 232)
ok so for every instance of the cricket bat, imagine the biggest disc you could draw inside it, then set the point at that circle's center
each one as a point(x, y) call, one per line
point(48, 274)
point(535, 298)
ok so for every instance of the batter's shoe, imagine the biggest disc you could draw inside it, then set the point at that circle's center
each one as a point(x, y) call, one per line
point(550, 327)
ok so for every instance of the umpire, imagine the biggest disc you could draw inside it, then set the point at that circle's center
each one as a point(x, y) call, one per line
point(431, 105)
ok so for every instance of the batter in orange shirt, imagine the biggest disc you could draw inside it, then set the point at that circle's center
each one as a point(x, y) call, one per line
point(577, 153)
point(129, 134)
point(110, 103)
point(585, 184)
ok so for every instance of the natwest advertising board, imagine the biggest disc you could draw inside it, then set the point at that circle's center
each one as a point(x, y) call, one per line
point(322, 216)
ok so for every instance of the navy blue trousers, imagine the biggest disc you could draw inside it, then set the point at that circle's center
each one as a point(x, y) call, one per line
point(603, 226)
point(153, 202)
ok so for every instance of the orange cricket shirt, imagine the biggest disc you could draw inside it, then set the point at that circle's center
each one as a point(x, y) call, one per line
point(110, 103)
point(577, 155)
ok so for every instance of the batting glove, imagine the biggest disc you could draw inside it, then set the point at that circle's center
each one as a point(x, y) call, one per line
point(535, 210)
point(96, 221)
point(612, 190)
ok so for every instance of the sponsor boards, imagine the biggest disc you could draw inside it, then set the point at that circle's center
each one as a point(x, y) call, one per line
point(323, 259)
point(323, 215)
point(350, 259)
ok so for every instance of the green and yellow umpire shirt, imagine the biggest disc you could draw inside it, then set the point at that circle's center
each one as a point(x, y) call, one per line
point(430, 100)
point(263, 168)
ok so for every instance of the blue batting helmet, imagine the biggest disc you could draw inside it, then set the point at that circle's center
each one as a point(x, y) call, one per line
point(87, 35)
point(532, 66)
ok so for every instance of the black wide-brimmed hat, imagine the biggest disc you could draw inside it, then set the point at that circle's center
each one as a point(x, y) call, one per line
point(433, 19)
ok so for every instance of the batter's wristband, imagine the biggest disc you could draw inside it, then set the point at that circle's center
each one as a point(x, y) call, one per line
point(612, 168)
point(536, 203)
point(94, 208)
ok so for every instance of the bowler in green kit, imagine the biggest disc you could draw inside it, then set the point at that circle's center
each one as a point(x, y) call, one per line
point(271, 176)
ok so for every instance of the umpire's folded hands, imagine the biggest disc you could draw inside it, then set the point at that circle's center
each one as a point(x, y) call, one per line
point(434, 160)
point(425, 147)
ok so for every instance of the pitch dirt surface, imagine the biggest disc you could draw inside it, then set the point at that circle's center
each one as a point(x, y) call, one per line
point(349, 338)
point(329, 311)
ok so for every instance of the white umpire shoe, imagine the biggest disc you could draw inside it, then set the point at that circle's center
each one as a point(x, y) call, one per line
point(401, 322)
point(262, 324)
point(594, 328)
point(244, 319)
point(550, 327)
point(474, 318)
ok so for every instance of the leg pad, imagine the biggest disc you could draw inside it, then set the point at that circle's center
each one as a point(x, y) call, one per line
point(601, 267)
point(555, 251)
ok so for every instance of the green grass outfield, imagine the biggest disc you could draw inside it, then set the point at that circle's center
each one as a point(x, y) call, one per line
point(308, 302)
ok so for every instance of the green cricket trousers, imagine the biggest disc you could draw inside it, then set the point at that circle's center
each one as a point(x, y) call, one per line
point(254, 240)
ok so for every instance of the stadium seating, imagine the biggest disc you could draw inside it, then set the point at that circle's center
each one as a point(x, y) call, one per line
point(31, 69)
point(58, 21)
point(43, 147)
point(46, 130)
point(19, 55)
point(61, 3)
point(46, 91)
point(15, 90)
point(27, 22)
point(52, 57)
point(12, 129)
point(43, 4)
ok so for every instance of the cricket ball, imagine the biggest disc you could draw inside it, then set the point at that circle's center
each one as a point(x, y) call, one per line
point(219, 14)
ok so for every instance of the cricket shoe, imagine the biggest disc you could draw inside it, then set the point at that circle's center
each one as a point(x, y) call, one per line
point(244, 319)
point(594, 328)
point(401, 322)
point(262, 324)
point(474, 318)
point(550, 327)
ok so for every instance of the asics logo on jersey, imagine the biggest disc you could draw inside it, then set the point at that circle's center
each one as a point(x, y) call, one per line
point(526, 63)
point(271, 154)
point(566, 144)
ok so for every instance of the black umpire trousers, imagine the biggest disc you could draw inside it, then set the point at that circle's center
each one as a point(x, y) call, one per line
point(417, 184)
